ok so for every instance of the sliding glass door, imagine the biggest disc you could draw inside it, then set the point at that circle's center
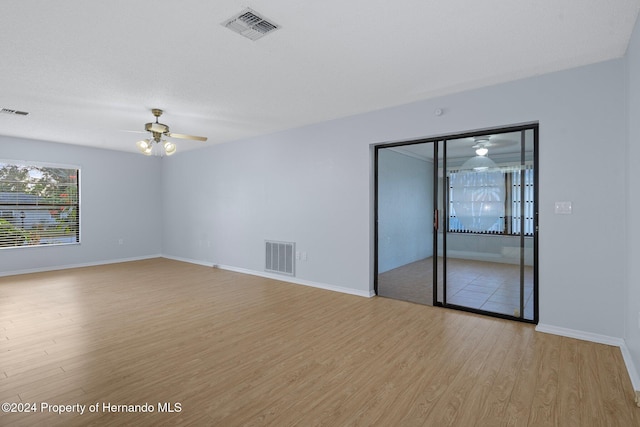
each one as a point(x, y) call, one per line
point(487, 231)
point(456, 222)
point(405, 206)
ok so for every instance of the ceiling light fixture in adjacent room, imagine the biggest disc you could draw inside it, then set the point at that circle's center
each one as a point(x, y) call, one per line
point(482, 151)
point(480, 162)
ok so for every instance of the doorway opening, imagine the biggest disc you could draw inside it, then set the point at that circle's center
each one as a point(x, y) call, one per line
point(456, 221)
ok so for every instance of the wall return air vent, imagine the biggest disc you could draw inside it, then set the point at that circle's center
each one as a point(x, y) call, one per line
point(250, 24)
point(280, 257)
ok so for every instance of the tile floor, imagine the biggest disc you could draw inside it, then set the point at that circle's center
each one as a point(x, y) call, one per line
point(489, 286)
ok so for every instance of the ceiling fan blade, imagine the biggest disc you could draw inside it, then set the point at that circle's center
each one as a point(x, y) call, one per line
point(181, 136)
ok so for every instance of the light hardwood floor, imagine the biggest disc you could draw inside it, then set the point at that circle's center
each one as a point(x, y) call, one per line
point(234, 350)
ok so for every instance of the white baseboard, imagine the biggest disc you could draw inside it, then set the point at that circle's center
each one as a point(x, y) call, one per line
point(600, 339)
point(633, 372)
point(68, 266)
point(189, 260)
point(580, 335)
point(282, 278)
point(367, 294)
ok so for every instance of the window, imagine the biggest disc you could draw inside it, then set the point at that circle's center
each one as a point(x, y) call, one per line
point(511, 222)
point(39, 205)
point(518, 209)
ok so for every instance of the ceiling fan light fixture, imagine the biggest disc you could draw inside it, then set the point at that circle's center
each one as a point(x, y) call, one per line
point(482, 151)
point(156, 127)
point(145, 146)
point(148, 146)
point(169, 148)
point(478, 164)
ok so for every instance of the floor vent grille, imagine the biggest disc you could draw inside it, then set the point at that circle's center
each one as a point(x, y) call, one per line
point(280, 257)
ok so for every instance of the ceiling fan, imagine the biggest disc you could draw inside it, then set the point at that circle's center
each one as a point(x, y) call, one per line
point(159, 131)
point(482, 144)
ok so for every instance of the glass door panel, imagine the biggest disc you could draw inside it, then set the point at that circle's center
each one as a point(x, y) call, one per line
point(405, 209)
point(487, 233)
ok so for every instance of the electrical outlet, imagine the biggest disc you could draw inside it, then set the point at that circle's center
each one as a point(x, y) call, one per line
point(563, 208)
point(120, 241)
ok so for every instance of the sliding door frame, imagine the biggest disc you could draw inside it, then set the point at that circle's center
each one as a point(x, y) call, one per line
point(442, 140)
point(377, 149)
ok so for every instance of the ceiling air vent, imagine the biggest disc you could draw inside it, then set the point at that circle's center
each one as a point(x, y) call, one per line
point(250, 24)
point(13, 112)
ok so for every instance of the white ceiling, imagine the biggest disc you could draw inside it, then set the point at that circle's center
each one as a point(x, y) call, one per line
point(88, 71)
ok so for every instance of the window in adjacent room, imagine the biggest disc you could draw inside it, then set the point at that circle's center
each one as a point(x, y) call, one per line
point(39, 204)
point(511, 222)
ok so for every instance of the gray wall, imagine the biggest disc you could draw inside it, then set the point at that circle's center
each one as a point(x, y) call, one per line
point(632, 297)
point(119, 199)
point(312, 185)
point(405, 209)
point(306, 186)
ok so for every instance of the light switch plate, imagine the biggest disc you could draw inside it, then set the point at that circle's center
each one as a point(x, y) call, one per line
point(563, 208)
